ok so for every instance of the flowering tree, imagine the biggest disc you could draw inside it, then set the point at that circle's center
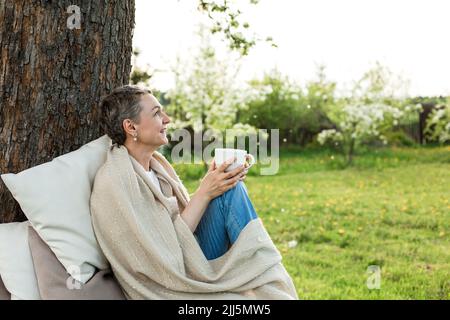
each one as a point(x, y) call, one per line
point(206, 96)
point(438, 123)
point(359, 123)
point(369, 113)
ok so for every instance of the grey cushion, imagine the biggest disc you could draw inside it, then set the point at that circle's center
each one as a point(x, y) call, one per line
point(54, 282)
point(4, 294)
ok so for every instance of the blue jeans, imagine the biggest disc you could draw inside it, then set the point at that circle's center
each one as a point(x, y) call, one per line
point(223, 220)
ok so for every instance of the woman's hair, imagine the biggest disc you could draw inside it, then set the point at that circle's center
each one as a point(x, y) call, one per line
point(122, 103)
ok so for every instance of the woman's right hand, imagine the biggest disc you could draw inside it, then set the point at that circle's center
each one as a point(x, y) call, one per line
point(217, 181)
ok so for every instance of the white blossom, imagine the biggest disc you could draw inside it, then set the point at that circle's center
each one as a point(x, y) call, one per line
point(329, 134)
point(362, 120)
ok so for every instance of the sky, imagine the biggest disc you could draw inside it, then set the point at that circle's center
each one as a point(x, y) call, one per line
point(411, 37)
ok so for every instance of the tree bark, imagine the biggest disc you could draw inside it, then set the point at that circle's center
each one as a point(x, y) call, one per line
point(52, 78)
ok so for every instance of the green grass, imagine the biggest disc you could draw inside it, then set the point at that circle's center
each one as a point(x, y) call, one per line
point(391, 209)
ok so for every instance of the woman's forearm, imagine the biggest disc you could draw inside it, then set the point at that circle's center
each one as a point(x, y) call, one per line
point(195, 209)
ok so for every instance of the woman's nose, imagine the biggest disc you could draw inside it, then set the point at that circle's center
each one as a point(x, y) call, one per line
point(166, 118)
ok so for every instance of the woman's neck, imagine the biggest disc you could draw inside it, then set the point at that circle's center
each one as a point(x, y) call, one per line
point(141, 153)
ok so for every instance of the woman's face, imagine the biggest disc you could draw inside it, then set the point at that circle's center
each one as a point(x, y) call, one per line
point(151, 129)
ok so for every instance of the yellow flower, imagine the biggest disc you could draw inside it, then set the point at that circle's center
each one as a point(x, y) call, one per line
point(341, 231)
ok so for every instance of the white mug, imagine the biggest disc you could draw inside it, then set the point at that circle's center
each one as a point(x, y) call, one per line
point(221, 155)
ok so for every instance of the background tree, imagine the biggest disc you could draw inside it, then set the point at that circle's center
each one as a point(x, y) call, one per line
point(438, 123)
point(52, 77)
point(140, 75)
point(225, 18)
point(369, 113)
point(300, 113)
point(206, 95)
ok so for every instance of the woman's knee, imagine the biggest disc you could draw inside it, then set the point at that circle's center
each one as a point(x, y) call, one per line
point(237, 200)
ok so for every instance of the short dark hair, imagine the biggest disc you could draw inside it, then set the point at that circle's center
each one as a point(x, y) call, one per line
point(122, 103)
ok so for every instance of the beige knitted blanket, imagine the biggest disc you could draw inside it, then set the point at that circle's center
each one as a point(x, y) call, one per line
point(154, 254)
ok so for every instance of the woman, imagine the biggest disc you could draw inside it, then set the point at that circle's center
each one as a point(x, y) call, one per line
point(161, 243)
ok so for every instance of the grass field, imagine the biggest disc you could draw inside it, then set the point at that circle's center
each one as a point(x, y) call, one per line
point(391, 209)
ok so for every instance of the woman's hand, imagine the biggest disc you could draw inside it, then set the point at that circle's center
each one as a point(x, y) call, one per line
point(214, 183)
point(246, 165)
point(217, 181)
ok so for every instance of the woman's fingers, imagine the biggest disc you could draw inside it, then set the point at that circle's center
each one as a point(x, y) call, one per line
point(212, 166)
point(231, 184)
point(226, 164)
point(234, 179)
point(234, 172)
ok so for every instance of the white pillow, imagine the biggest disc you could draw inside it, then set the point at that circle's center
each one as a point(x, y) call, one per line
point(16, 263)
point(55, 198)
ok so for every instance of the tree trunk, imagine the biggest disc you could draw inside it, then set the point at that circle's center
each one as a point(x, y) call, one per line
point(52, 76)
point(350, 152)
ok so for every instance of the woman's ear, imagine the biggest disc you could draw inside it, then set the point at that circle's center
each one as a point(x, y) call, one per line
point(128, 126)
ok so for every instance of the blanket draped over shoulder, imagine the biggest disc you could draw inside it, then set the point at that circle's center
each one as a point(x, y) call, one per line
point(154, 254)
